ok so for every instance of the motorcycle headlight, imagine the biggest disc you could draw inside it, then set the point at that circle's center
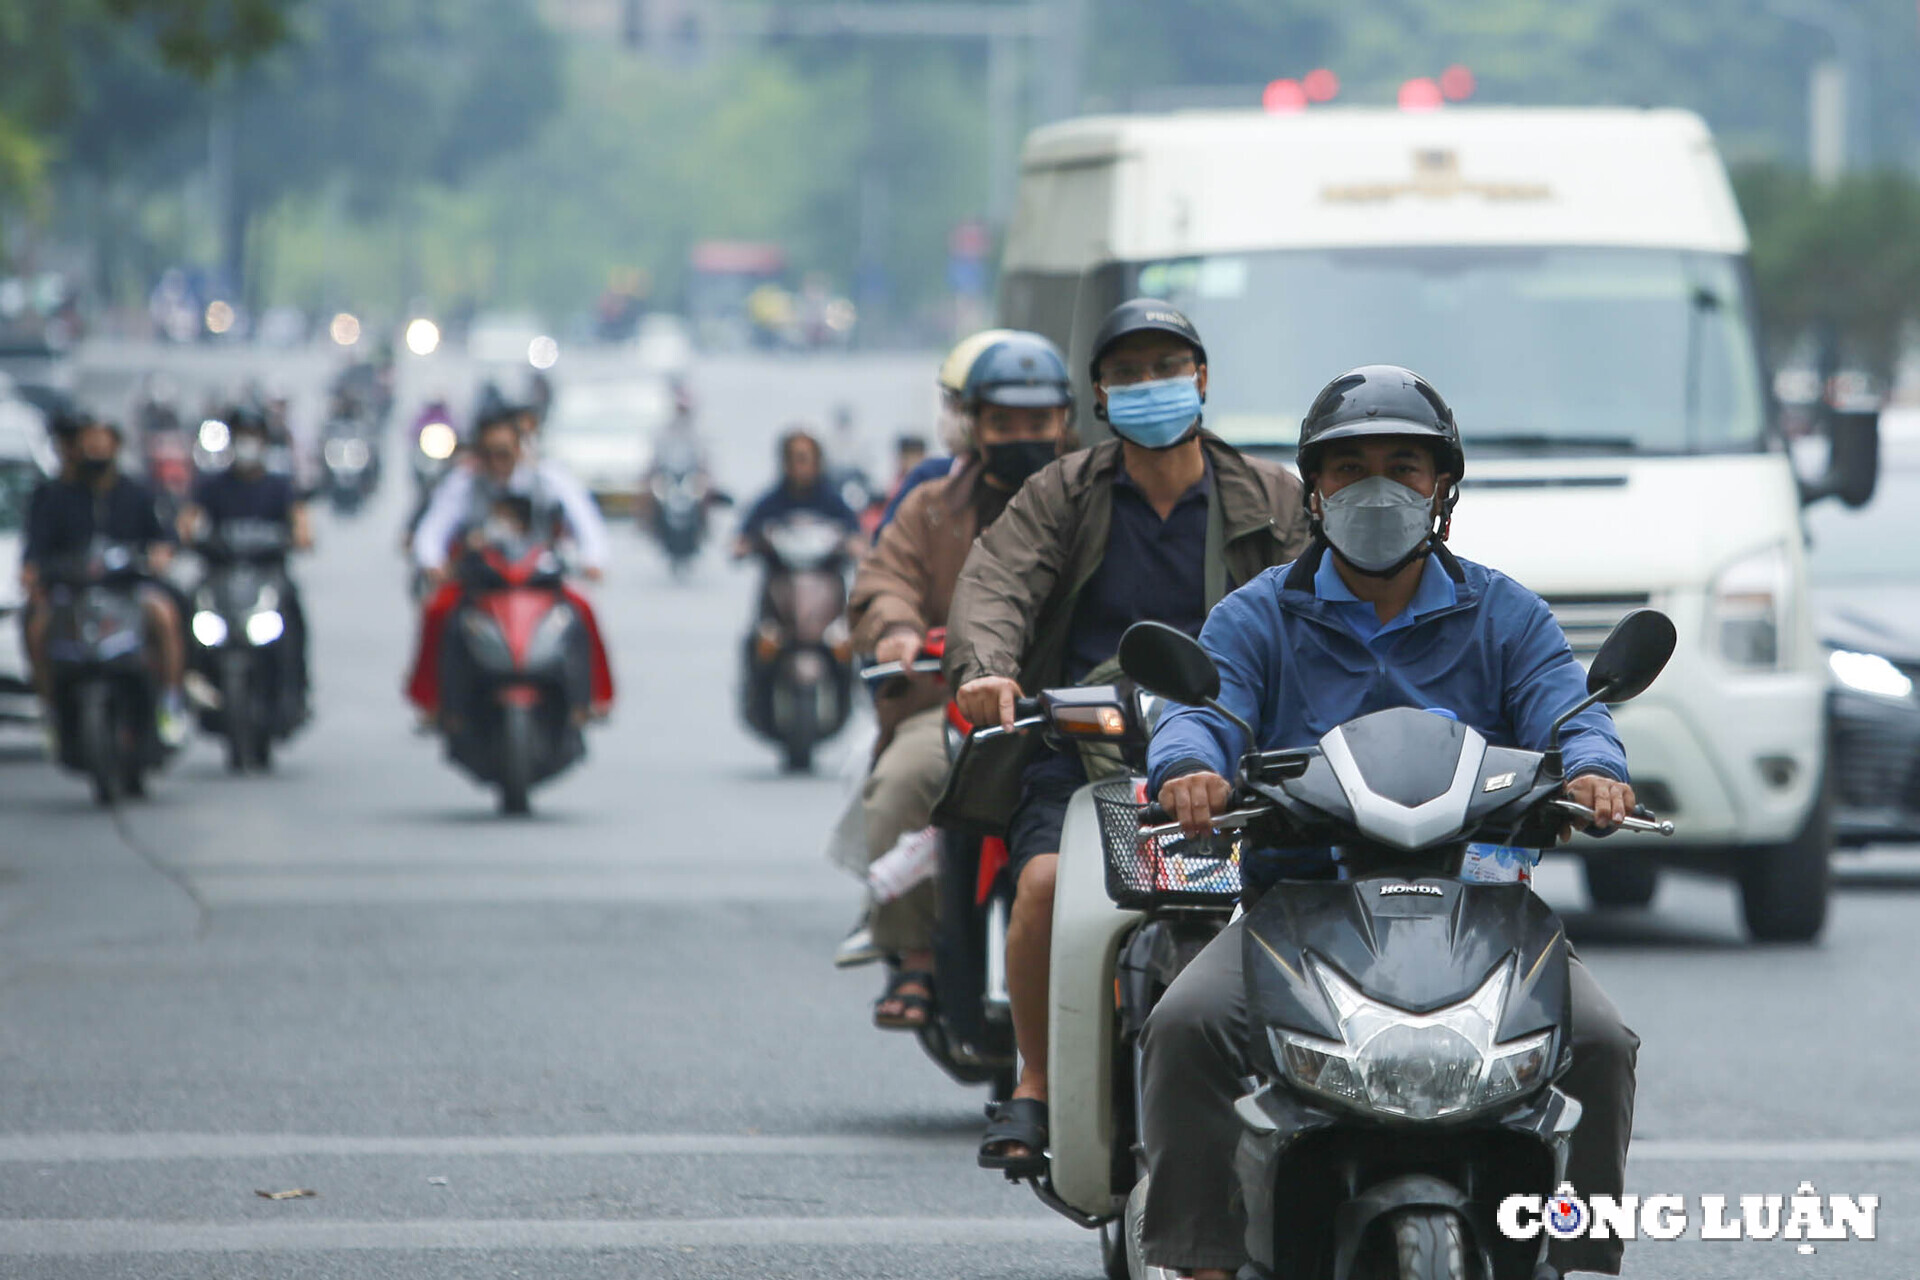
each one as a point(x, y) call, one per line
point(265, 627)
point(1416, 1066)
point(438, 440)
point(1749, 611)
point(485, 642)
point(210, 629)
point(546, 648)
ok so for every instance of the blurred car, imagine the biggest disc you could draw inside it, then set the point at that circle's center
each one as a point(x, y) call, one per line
point(603, 432)
point(502, 337)
point(282, 328)
point(19, 472)
point(1865, 571)
point(663, 344)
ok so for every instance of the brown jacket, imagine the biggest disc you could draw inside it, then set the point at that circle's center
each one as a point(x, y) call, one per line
point(908, 581)
point(1014, 603)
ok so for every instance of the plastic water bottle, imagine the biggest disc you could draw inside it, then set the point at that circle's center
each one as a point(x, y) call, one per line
point(914, 857)
point(1498, 864)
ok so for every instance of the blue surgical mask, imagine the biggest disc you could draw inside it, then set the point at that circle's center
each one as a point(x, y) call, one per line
point(1155, 415)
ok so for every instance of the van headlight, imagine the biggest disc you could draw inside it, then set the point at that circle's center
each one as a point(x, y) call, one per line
point(1416, 1066)
point(1749, 611)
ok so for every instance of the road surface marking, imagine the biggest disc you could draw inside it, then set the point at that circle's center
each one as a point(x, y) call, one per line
point(73, 1237)
point(59, 1148)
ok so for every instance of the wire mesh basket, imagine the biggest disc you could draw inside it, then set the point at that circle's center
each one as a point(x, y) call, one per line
point(1166, 870)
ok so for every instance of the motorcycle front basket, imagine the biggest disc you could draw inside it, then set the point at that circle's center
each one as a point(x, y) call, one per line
point(1166, 871)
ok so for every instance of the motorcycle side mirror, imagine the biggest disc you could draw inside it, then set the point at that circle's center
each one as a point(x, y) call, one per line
point(1633, 655)
point(1167, 661)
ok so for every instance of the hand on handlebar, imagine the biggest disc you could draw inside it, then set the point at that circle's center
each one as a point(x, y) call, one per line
point(988, 701)
point(1192, 800)
point(1610, 801)
point(901, 646)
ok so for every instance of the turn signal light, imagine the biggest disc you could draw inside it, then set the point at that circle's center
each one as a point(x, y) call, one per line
point(766, 644)
point(1090, 722)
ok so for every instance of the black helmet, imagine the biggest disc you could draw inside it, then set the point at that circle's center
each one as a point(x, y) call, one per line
point(1143, 315)
point(242, 418)
point(1379, 400)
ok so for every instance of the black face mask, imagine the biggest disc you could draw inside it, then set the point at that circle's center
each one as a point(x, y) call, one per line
point(1013, 462)
point(94, 468)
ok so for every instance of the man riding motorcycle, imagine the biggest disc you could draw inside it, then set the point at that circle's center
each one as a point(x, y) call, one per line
point(1157, 524)
point(1019, 396)
point(802, 487)
point(90, 499)
point(1390, 618)
point(955, 427)
point(463, 503)
point(246, 490)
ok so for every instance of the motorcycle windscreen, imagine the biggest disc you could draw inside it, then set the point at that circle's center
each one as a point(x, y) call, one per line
point(807, 603)
point(1417, 945)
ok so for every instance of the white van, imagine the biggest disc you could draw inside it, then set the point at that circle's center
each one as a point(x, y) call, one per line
point(1575, 283)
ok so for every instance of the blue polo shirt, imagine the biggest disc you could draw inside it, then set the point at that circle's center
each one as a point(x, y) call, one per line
point(1434, 592)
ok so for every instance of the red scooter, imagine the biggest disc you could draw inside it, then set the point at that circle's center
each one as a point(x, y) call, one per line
point(515, 671)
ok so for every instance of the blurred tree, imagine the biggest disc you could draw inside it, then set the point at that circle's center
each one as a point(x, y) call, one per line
point(52, 54)
point(1847, 255)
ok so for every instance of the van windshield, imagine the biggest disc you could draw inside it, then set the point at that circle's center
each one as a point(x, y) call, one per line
point(1539, 351)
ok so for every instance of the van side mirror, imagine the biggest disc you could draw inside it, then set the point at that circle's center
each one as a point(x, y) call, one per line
point(1853, 458)
point(1167, 661)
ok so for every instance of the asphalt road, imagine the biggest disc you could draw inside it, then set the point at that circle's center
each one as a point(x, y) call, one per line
point(608, 1041)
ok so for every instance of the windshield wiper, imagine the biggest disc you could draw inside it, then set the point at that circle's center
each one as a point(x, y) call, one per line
point(1543, 442)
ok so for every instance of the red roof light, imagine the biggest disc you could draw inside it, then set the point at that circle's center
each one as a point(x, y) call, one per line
point(1284, 96)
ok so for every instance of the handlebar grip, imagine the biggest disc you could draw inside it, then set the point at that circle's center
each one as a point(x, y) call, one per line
point(1152, 815)
point(1026, 708)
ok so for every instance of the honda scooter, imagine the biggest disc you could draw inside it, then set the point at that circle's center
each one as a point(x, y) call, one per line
point(514, 671)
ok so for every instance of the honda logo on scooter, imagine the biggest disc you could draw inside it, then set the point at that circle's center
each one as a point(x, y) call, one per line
point(1431, 890)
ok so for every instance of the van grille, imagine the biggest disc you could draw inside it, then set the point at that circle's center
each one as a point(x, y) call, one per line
point(1588, 619)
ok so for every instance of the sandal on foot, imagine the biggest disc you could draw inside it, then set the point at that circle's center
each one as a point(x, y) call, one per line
point(1016, 1122)
point(916, 1007)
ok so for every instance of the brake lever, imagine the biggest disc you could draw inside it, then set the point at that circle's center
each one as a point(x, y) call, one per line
point(1231, 820)
point(1656, 826)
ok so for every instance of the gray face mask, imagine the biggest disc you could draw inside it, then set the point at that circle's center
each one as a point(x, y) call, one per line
point(1377, 525)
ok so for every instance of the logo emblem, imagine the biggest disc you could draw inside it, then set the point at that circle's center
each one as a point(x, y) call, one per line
point(1499, 782)
point(1566, 1214)
point(1431, 891)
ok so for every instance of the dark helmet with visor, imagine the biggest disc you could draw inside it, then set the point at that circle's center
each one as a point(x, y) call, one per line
point(1021, 371)
point(1379, 400)
point(1143, 315)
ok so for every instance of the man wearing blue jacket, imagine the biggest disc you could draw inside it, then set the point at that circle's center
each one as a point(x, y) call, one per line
point(1377, 613)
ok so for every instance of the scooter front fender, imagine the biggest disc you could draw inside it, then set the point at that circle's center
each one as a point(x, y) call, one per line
point(1087, 932)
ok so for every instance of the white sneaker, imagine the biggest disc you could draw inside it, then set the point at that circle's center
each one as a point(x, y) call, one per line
point(171, 719)
point(857, 947)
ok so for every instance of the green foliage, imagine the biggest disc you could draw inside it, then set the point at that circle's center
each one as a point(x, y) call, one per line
point(1848, 256)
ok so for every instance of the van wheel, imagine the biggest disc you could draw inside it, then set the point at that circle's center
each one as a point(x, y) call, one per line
point(1783, 887)
point(1621, 879)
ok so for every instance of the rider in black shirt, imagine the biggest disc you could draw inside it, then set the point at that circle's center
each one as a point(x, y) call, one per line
point(246, 490)
point(90, 500)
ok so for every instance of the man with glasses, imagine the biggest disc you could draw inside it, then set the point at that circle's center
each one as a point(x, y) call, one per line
point(1159, 523)
point(464, 506)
